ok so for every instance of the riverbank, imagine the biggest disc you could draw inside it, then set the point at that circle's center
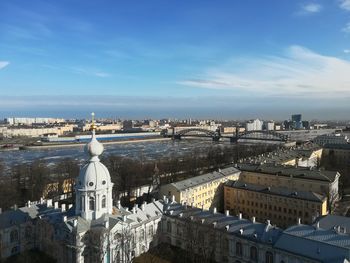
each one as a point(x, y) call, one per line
point(70, 145)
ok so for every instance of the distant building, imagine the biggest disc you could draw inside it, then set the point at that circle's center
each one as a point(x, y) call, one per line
point(269, 125)
point(278, 204)
point(30, 121)
point(254, 125)
point(201, 191)
point(297, 122)
point(331, 139)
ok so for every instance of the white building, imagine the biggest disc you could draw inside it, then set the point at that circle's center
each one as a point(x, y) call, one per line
point(254, 125)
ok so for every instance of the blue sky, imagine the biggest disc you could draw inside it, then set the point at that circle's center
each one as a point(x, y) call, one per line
point(217, 59)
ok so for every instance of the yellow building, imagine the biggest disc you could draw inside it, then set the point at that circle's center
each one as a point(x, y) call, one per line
point(277, 204)
point(201, 191)
point(293, 178)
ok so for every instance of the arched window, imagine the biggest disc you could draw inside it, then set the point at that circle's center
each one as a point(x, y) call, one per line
point(14, 250)
point(238, 249)
point(253, 253)
point(91, 203)
point(269, 257)
point(14, 236)
point(103, 201)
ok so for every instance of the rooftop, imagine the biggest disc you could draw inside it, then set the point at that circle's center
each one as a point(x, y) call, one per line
point(290, 171)
point(280, 191)
point(205, 178)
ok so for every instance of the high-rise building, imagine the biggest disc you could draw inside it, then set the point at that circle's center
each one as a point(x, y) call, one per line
point(296, 121)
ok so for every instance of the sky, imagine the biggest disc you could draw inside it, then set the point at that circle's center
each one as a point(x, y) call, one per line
point(161, 58)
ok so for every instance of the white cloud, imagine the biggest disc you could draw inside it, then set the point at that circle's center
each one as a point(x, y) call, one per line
point(345, 4)
point(91, 72)
point(310, 8)
point(346, 29)
point(298, 72)
point(4, 64)
point(346, 51)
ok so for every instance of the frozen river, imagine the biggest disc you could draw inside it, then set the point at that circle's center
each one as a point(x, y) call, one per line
point(147, 150)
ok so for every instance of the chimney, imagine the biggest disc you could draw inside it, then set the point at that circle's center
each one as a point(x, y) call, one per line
point(134, 210)
point(63, 207)
point(124, 218)
point(253, 219)
point(29, 203)
point(171, 212)
point(164, 198)
point(0, 210)
point(49, 202)
point(240, 216)
point(107, 224)
point(167, 200)
point(41, 200)
point(268, 222)
point(118, 204)
point(56, 205)
point(65, 219)
point(214, 211)
point(227, 212)
point(143, 206)
point(75, 222)
point(241, 231)
point(173, 198)
point(153, 200)
point(227, 227)
point(192, 204)
point(299, 221)
point(70, 206)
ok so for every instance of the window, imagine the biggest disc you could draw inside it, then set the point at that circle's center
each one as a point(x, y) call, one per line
point(150, 230)
point(91, 203)
point(238, 249)
point(168, 226)
point(14, 236)
point(14, 250)
point(253, 253)
point(103, 201)
point(142, 235)
point(28, 232)
point(269, 257)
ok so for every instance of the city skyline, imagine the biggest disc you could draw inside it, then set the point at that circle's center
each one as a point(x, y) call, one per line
point(160, 59)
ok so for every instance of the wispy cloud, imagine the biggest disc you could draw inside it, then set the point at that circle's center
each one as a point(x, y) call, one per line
point(297, 72)
point(346, 51)
point(310, 8)
point(346, 28)
point(91, 72)
point(4, 64)
point(344, 4)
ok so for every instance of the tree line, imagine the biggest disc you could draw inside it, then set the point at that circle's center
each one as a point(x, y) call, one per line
point(28, 181)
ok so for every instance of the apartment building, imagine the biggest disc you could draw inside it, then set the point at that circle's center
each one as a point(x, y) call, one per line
point(293, 178)
point(202, 191)
point(307, 155)
point(278, 204)
point(337, 154)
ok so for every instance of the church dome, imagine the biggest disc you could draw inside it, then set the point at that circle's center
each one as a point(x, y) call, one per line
point(93, 176)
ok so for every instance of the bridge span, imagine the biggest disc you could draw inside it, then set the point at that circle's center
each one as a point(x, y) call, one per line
point(235, 137)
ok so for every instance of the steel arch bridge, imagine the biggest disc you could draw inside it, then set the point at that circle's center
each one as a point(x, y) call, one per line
point(198, 131)
point(262, 135)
